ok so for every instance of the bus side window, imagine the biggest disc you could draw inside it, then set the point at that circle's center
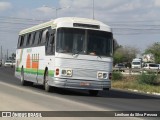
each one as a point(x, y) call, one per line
point(36, 38)
point(25, 40)
point(44, 36)
point(47, 38)
point(28, 39)
point(50, 43)
point(40, 36)
point(21, 41)
point(31, 39)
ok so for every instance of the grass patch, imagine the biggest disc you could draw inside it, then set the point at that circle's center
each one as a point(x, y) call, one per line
point(149, 79)
point(132, 82)
point(117, 76)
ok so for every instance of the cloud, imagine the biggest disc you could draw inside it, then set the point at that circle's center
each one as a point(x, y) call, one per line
point(40, 13)
point(84, 8)
point(105, 10)
point(89, 3)
point(127, 7)
point(5, 6)
point(110, 8)
point(75, 3)
point(157, 3)
point(45, 9)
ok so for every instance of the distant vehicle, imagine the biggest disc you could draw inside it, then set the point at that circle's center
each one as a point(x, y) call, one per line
point(152, 66)
point(9, 63)
point(136, 63)
point(120, 65)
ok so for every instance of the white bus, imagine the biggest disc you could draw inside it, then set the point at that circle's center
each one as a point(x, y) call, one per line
point(66, 53)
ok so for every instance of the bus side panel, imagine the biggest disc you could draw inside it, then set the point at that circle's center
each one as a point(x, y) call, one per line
point(34, 62)
point(23, 61)
point(18, 65)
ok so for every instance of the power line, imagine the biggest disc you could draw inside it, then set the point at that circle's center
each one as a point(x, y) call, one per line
point(17, 18)
point(135, 21)
point(17, 23)
point(119, 28)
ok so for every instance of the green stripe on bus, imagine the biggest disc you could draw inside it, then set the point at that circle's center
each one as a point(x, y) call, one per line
point(34, 71)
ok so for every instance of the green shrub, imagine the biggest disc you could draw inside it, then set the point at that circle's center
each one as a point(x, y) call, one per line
point(117, 76)
point(150, 79)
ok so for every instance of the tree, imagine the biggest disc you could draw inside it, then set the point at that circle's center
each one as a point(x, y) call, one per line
point(118, 55)
point(155, 50)
point(125, 54)
point(13, 56)
point(115, 45)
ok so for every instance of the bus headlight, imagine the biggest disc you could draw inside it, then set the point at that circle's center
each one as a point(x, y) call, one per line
point(102, 75)
point(66, 72)
point(105, 75)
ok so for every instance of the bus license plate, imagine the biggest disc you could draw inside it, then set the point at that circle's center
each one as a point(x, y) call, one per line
point(84, 84)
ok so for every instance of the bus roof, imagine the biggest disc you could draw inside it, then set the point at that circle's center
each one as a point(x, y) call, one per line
point(68, 22)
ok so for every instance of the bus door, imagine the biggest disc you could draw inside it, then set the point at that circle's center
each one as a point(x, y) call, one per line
point(50, 51)
point(45, 58)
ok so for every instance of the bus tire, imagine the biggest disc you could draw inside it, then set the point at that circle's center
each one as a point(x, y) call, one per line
point(93, 92)
point(24, 82)
point(47, 87)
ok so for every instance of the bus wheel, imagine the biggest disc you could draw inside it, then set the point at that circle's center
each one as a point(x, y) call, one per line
point(47, 87)
point(93, 92)
point(24, 82)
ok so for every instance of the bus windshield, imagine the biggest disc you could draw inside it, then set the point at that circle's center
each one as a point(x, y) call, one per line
point(81, 41)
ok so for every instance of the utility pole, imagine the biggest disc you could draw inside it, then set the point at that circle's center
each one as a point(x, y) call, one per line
point(93, 8)
point(7, 54)
point(1, 54)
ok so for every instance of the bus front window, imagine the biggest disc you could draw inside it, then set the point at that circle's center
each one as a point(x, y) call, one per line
point(70, 40)
point(99, 43)
point(83, 41)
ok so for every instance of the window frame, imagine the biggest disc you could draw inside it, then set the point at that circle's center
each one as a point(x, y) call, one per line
point(34, 39)
point(50, 48)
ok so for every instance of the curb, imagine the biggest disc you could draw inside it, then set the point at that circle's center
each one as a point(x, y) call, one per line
point(152, 93)
point(134, 91)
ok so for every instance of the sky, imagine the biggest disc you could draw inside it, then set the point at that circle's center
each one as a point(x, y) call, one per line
point(135, 23)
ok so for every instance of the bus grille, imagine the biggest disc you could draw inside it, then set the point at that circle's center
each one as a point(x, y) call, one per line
point(84, 74)
point(83, 64)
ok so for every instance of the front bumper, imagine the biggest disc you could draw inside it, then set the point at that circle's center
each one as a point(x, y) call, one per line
point(80, 84)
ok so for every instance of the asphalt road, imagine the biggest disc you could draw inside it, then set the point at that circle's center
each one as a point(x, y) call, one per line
point(35, 98)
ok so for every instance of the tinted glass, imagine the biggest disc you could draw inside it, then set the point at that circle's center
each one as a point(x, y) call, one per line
point(81, 41)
